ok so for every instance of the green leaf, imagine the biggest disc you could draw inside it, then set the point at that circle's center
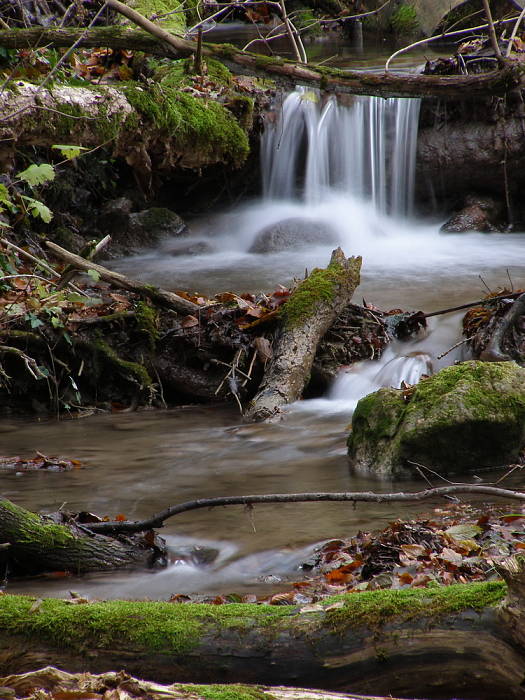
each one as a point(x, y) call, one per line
point(37, 174)
point(38, 209)
point(463, 532)
point(56, 322)
point(69, 152)
point(34, 321)
point(95, 276)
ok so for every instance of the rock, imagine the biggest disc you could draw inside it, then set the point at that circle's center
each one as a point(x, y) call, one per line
point(292, 233)
point(188, 248)
point(115, 215)
point(464, 417)
point(150, 226)
point(477, 214)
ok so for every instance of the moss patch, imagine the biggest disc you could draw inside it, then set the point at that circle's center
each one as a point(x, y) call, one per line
point(227, 692)
point(376, 608)
point(169, 14)
point(319, 287)
point(131, 370)
point(149, 626)
point(193, 124)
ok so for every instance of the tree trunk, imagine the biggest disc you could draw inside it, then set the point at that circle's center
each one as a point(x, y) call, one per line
point(38, 544)
point(285, 72)
point(306, 316)
point(457, 641)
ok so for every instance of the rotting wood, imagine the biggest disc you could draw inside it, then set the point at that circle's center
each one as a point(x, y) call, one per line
point(456, 641)
point(64, 684)
point(284, 72)
point(156, 294)
point(494, 351)
point(306, 316)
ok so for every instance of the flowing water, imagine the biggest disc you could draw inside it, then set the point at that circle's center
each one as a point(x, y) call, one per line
point(351, 168)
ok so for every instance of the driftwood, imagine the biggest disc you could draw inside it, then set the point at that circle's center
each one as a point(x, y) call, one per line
point(287, 73)
point(307, 315)
point(459, 641)
point(158, 519)
point(63, 684)
point(156, 294)
point(38, 544)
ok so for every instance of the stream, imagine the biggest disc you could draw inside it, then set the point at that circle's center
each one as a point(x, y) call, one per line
point(357, 179)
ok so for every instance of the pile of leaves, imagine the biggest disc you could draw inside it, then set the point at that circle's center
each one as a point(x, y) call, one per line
point(460, 544)
point(40, 462)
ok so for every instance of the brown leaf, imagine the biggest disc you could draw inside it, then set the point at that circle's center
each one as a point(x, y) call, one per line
point(189, 321)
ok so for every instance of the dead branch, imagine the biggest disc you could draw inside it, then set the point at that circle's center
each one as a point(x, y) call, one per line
point(158, 519)
point(286, 73)
point(156, 294)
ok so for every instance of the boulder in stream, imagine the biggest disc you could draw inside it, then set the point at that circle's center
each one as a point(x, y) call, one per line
point(294, 232)
point(477, 214)
point(464, 417)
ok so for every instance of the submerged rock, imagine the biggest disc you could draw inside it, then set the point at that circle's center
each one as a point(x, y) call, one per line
point(477, 214)
point(464, 417)
point(292, 233)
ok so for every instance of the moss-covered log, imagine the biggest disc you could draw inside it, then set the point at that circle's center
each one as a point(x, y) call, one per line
point(305, 318)
point(440, 642)
point(37, 544)
point(285, 72)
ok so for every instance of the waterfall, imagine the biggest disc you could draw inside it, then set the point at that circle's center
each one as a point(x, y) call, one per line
point(366, 149)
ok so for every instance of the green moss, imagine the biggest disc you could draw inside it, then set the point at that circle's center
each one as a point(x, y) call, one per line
point(376, 608)
point(227, 692)
point(167, 628)
point(193, 124)
point(147, 323)
point(36, 531)
point(320, 286)
point(133, 626)
point(137, 372)
point(174, 22)
point(404, 21)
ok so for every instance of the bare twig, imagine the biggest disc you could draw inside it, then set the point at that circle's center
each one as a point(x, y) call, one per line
point(514, 32)
point(445, 35)
point(158, 519)
point(492, 32)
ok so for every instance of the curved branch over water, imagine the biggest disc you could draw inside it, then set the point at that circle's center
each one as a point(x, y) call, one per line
point(158, 519)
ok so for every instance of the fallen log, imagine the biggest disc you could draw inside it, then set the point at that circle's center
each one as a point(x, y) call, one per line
point(63, 684)
point(156, 294)
point(286, 73)
point(38, 544)
point(457, 641)
point(306, 316)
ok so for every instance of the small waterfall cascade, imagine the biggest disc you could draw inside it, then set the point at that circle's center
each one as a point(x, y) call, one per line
point(366, 149)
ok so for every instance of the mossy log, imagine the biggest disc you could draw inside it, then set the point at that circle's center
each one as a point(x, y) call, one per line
point(457, 641)
point(285, 72)
point(307, 315)
point(38, 544)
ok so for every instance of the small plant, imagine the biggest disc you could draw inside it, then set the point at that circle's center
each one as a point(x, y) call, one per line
point(404, 21)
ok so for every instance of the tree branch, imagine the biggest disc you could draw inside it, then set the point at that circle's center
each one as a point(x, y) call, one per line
point(158, 519)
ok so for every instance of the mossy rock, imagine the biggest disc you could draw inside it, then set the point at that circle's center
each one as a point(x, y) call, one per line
point(465, 417)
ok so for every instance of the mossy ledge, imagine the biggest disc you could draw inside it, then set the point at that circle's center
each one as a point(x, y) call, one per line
point(168, 628)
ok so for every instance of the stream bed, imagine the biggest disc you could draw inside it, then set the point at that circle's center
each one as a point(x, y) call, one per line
point(138, 464)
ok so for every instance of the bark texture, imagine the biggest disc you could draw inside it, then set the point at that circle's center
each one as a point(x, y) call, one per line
point(306, 316)
point(458, 641)
point(285, 72)
point(38, 544)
